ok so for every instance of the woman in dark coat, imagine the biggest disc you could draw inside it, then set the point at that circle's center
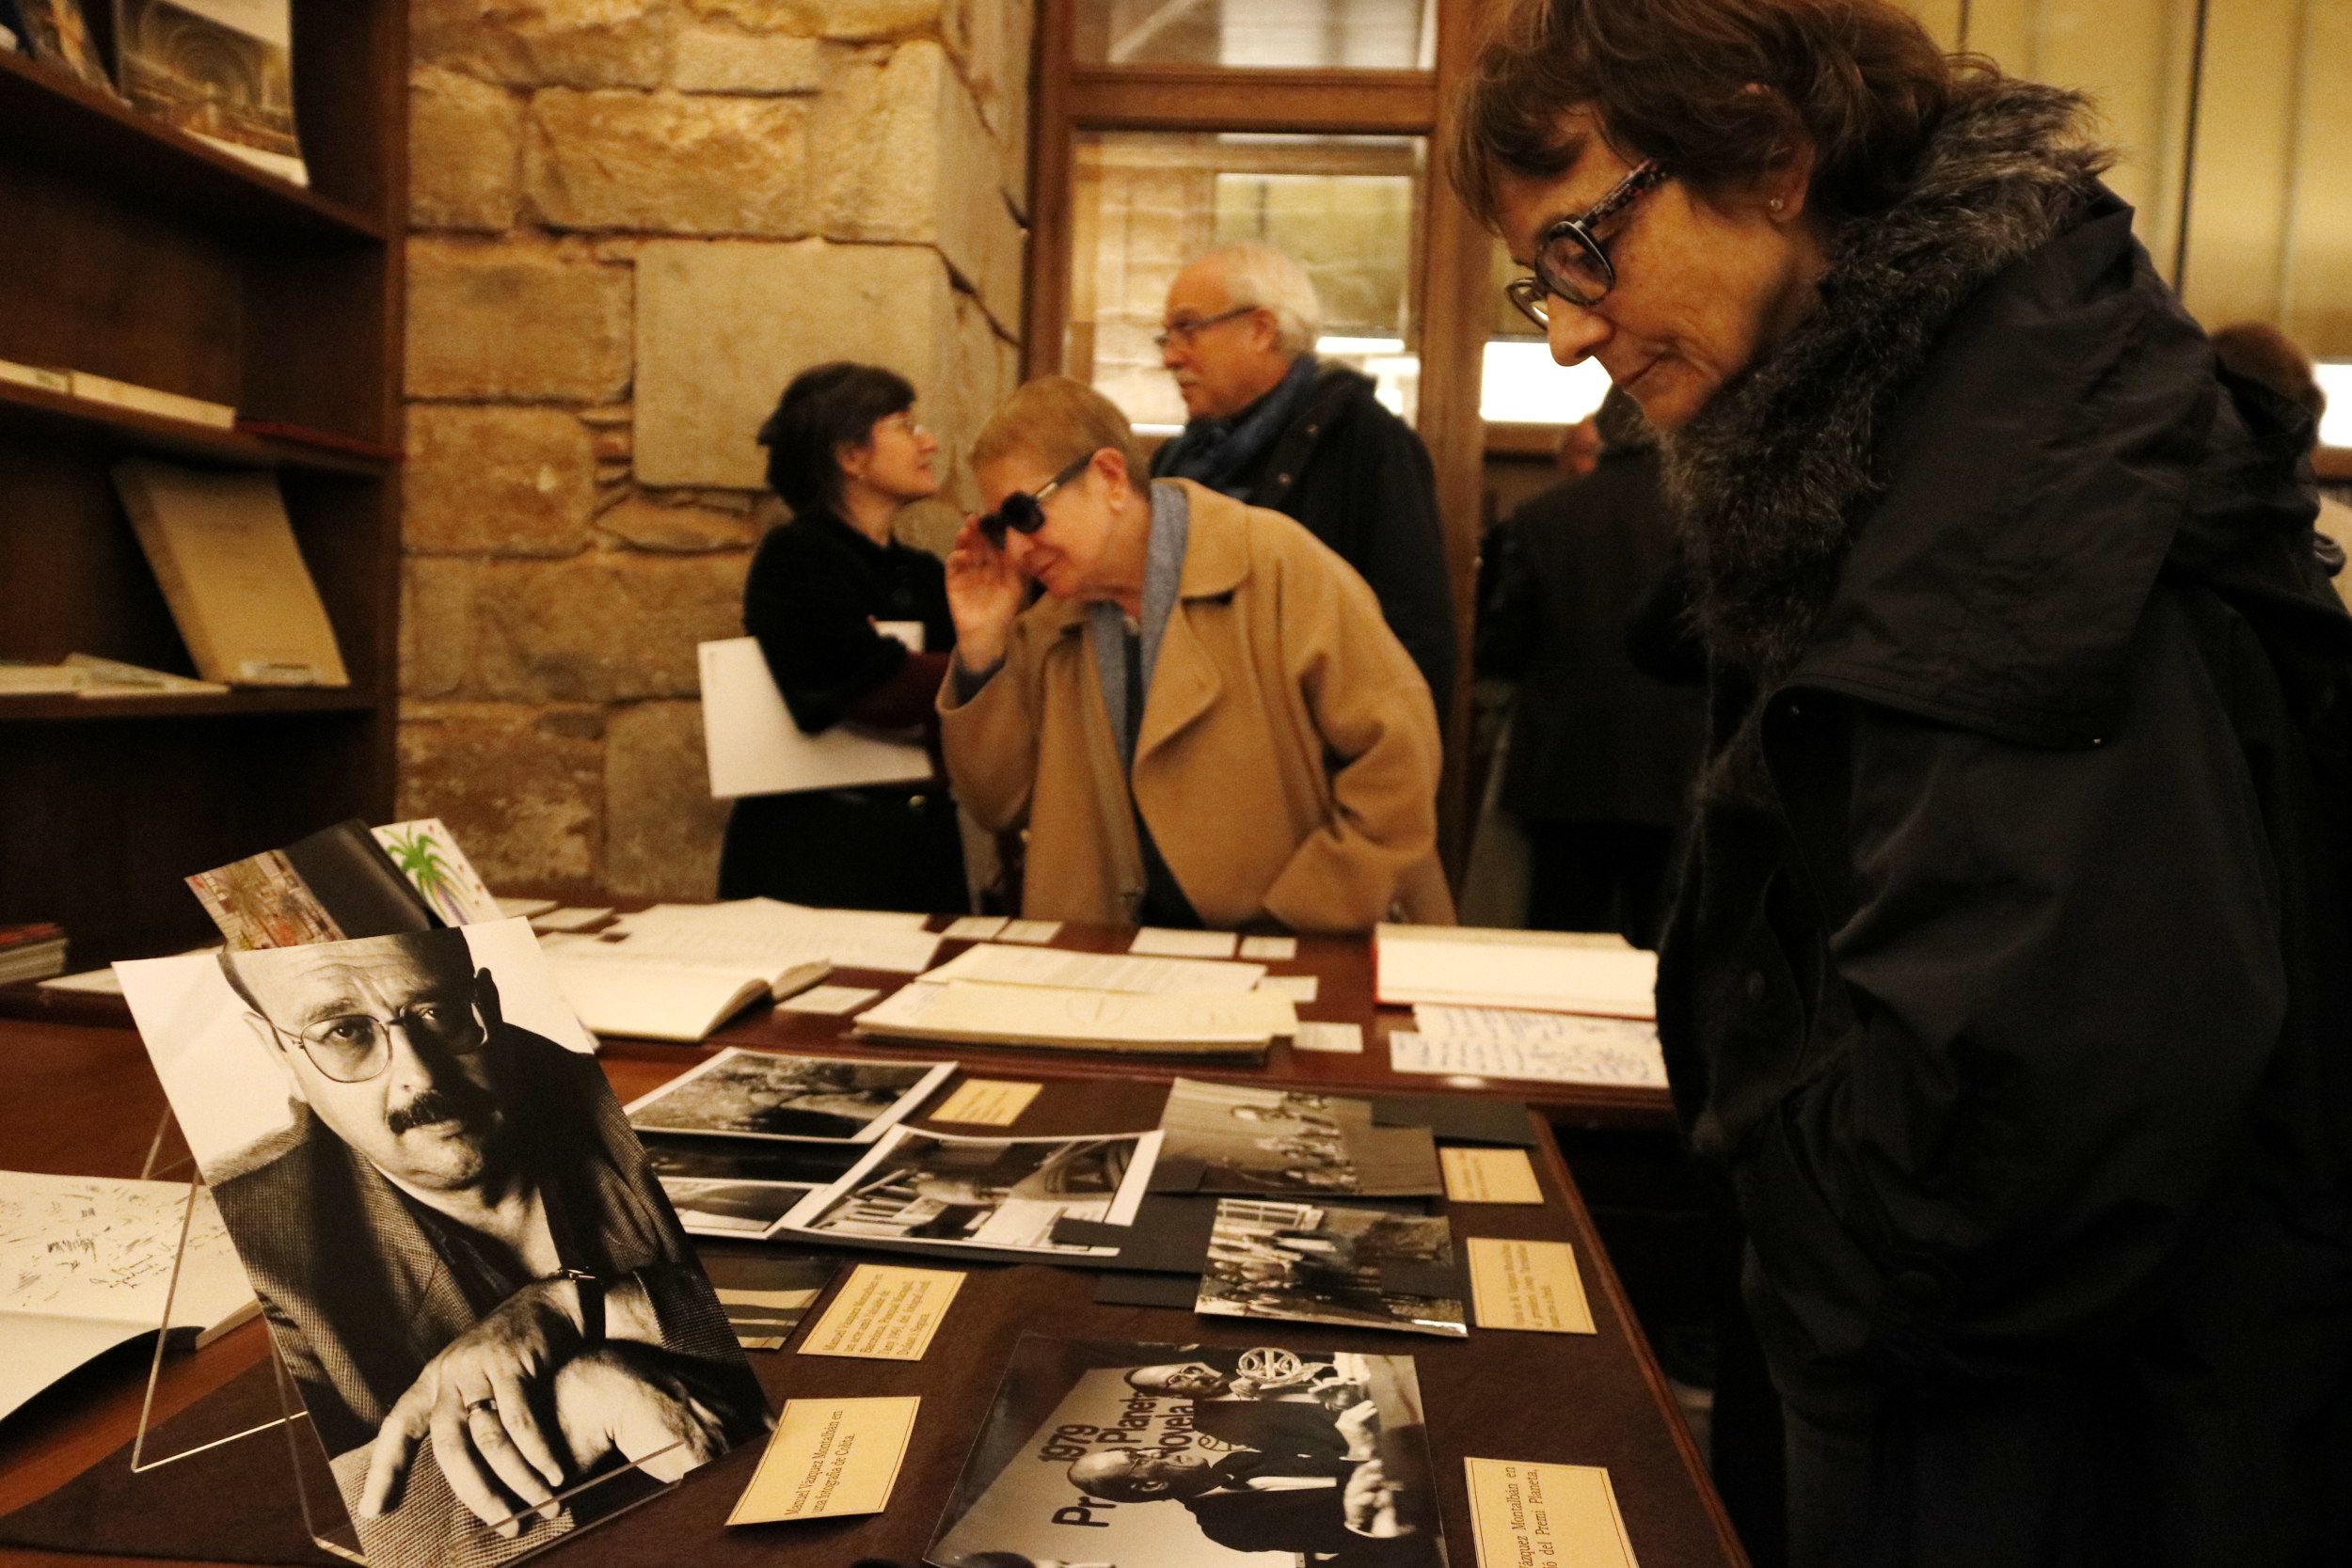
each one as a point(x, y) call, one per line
point(2009, 980)
point(825, 590)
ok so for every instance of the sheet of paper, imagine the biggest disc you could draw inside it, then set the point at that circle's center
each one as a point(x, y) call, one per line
point(95, 1247)
point(92, 982)
point(987, 1101)
point(1501, 1042)
point(570, 919)
point(883, 1313)
point(1298, 988)
point(1270, 949)
point(1035, 932)
point(1489, 1176)
point(1539, 1515)
point(1557, 972)
point(1163, 943)
point(978, 1013)
point(975, 927)
point(1527, 1285)
point(1340, 1038)
point(769, 936)
point(523, 909)
point(1029, 966)
point(828, 999)
point(829, 1457)
point(752, 747)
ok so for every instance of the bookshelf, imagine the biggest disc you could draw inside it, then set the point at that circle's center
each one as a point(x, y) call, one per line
point(134, 251)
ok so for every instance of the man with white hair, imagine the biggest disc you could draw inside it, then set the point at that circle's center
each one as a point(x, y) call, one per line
point(1273, 426)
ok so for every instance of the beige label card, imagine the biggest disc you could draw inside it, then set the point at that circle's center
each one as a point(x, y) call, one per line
point(883, 1313)
point(829, 1457)
point(1489, 1176)
point(989, 1101)
point(1527, 1285)
point(1525, 1515)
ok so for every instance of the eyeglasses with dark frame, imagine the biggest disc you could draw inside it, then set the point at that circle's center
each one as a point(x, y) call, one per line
point(1185, 331)
point(1023, 511)
point(351, 1048)
point(1570, 260)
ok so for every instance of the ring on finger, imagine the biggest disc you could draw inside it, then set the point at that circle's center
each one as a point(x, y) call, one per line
point(484, 1404)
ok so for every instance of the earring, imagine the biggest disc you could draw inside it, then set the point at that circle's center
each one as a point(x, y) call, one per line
point(1777, 204)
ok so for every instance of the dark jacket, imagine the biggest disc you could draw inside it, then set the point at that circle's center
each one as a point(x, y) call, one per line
point(1360, 480)
point(1594, 738)
point(2010, 979)
point(817, 587)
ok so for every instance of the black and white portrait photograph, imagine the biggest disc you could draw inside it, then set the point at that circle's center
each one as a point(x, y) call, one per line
point(943, 1190)
point(762, 1094)
point(1246, 1139)
point(1306, 1262)
point(462, 1255)
point(1197, 1456)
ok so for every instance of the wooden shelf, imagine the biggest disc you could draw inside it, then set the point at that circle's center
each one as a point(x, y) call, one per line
point(72, 126)
point(33, 411)
point(250, 702)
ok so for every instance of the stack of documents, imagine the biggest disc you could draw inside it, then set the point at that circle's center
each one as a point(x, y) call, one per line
point(995, 964)
point(1502, 1042)
point(1552, 971)
point(975, 1012)
point(769, 934)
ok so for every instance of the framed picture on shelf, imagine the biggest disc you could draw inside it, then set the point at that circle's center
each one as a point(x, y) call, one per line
point(58, 31)
point(220, 69)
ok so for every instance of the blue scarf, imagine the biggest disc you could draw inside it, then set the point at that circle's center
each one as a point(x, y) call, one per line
point(1163, 573)
point(1213, 452)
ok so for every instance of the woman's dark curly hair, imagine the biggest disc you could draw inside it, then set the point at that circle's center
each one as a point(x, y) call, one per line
point(1675, 81)
point(826, 407)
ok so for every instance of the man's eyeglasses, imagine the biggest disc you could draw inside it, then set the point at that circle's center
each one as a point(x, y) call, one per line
point(1572, 263)
point(1185, 331)
point(1023, 511)
point(356, 1047)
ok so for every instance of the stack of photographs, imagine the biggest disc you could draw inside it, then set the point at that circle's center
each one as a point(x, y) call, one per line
point(1189, 1456)
point(746, 1135)
point(1305, 1262)
point(934, 1189)
point(1256, 1140)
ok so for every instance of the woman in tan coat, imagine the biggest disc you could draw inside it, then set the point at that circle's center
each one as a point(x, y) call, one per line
point(1204, 720)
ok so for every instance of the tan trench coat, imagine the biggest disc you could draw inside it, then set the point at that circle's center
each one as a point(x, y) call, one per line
point(1288, 759)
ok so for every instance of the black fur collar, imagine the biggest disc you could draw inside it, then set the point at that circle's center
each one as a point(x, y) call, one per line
point(1778, 471)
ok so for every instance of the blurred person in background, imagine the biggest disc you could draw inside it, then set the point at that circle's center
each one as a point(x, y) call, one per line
point(826, 592)
point(2261, 353)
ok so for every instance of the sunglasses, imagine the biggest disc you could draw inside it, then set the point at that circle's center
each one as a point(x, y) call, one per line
point(1023, 511)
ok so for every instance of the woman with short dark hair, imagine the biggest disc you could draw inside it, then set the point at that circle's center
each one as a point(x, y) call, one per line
point(855, 629)
point(2008, 982)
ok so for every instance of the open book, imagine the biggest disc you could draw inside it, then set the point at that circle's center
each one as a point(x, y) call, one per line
point(86, 1263)
point(615, 992)
point(1184, 1023)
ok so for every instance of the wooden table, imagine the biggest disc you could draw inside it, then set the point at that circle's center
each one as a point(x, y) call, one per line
point(81, 1100)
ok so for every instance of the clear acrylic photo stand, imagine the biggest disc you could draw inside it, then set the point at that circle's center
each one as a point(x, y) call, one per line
point(306, 1458)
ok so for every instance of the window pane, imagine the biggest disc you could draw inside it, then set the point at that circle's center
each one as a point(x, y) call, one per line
point(1332, 35)
point(1144, 204)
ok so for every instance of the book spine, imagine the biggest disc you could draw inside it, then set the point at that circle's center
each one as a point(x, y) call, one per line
point(149, 399)
point(155, 540)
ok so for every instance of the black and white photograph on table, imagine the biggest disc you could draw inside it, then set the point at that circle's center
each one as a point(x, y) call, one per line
point(1305, 1262)
point(1246, 1139)
point(747, 1210)
point(942, 1190)
point(763, 1094)
point(452, 1231)
point(1192, 1456)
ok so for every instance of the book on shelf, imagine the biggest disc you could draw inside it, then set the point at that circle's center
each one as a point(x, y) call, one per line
point(337, 883)
point(34, 951)
point(222, 70)
point(57, 32)
point(87, 675)
point(92, 387)
point(86, 1263)
point(224, 553)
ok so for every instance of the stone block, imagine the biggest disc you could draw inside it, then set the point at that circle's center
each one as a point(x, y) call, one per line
point(606, 627)
point(724, 59)
point(526, 322)
point(497, 480)
point(465, 152)
point(574, 44)
point(679, 528)
point(723, 325)
point(855, 20)
point(666, 164)
point(901, 154)
point(662, 827)
point(521, 788)
point(436, 626)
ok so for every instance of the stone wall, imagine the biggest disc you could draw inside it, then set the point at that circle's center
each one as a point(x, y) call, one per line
point(632, 222)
